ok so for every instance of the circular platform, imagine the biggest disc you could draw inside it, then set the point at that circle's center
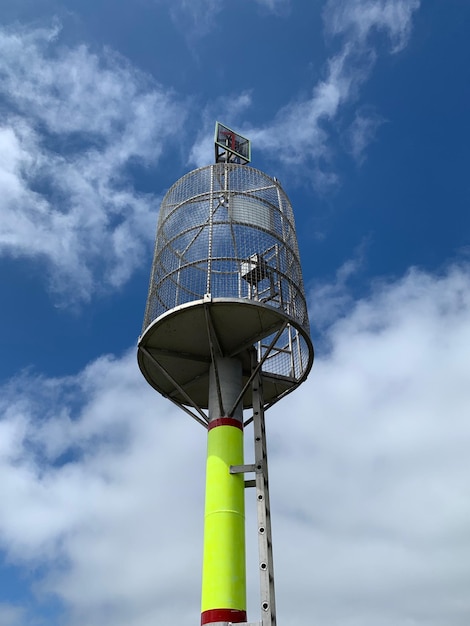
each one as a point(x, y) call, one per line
point(175, 350)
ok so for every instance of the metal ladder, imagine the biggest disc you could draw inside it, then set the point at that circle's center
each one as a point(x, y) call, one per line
point(261, 482)
point(265, 543)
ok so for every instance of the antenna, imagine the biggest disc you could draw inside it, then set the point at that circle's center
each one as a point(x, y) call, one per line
point(225, 336)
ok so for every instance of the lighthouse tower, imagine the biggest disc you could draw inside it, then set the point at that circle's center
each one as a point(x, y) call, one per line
point(225, 336)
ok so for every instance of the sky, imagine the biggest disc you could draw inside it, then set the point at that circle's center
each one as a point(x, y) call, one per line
point(360, 109)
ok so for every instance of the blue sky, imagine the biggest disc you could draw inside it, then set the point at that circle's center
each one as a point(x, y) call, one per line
point(360, 108)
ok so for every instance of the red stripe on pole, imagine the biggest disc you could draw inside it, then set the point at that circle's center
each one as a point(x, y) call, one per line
point(225, 421)
point(223, 615)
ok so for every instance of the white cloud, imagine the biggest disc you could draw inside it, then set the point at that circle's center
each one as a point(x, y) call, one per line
point(275, 5)
point(384, 434)
point(359, 18)
point(197, 18)
point(74, 120)
point(307, 125)
point(330, 301)
point(361, 133)
point(11, 615)
point(199, 15)
point(368, 470)
point(87, 460)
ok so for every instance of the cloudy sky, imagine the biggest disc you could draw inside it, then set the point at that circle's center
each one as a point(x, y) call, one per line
point(360, 108)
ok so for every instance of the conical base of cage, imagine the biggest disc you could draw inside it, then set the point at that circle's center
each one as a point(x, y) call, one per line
point(182, 341)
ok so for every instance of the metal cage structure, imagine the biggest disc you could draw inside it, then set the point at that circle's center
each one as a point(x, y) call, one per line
point(226, 272)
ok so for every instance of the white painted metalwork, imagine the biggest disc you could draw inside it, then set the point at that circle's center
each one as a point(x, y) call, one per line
point(225, 234)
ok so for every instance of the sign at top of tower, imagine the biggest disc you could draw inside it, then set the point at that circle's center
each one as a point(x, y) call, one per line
point(231, 147)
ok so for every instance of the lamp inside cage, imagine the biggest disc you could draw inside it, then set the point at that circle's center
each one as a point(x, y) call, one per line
point(254, 269)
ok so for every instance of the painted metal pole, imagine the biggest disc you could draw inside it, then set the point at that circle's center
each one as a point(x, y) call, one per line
point(223, 574)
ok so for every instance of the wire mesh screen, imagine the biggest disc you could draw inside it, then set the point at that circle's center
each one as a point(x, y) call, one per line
point(226, 230)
